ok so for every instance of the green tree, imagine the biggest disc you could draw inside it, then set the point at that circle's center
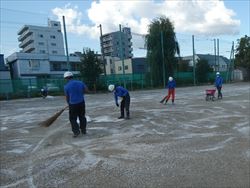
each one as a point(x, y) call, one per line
point(183, 66)
point(242, 55)
point(90, 67)
point(154, 49)
point(202, 69)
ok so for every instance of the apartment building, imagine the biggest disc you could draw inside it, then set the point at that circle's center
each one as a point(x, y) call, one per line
point(42, 40)
point(117, 44)
point(42, 53)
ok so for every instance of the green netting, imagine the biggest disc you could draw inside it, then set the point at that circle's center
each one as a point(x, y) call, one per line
point(31, 87)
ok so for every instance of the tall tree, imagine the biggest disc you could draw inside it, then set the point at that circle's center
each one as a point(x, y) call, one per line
point(161, 30)
point(242, 56)
point(202, 69)
point(90, 66)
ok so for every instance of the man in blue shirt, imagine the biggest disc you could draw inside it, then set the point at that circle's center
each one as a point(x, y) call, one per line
point(218, 84)
point(119, 91)
point(74, 92)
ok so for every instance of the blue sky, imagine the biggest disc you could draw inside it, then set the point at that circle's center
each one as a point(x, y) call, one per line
point(206, 20)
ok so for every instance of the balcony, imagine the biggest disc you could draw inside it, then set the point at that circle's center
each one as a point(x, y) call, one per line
point(106, 38)
point(107, 45)
point(27, 41)
point(29, 48)
point(108, 50)
point(25, 35)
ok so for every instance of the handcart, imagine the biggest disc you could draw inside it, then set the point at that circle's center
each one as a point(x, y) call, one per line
point(210, 94)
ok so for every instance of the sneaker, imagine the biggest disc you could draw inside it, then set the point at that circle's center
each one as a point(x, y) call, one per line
point(83, 131)
point(121, 117)
point(127, 117)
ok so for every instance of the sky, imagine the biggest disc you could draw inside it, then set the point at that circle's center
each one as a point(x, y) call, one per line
point(207, 20)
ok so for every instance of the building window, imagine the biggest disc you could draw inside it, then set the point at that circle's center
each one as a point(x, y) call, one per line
point(119, 68)
point(42, 51)
point(56, 67)
point(41, 36)
point(54, 52)
point(34, 64)
point(53, 44)
point(41, 43)
point(52, 36)
point(59, 30)
point(55, 24)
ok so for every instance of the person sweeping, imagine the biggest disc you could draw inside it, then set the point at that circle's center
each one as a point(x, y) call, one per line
point(74, 92)
point(171, 90)
point(119, 91)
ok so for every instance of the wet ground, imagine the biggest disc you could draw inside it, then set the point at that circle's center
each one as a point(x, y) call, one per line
point(194, 143)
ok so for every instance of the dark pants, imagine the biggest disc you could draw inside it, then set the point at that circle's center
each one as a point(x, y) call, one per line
point(125, 104)
point(219, 92)
point(77, 111)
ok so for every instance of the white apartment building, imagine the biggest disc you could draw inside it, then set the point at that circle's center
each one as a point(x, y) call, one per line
point(42, 40)
point(42, 54)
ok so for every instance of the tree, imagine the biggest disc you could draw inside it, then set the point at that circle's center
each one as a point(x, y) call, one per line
point(154, 49)
point(202, 69)
point(242, 55)
point(183, 66)
point(90, 67)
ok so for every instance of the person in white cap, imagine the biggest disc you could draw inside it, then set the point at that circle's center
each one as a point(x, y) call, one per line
point(171, 91)
point(119, 91)
point(74, 91)
point(218, 84)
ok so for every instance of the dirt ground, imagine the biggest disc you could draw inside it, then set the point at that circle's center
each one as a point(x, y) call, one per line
point(194, 143)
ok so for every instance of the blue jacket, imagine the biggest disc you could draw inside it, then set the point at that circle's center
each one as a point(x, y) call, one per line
point(218, 81)
point(171, 84)
point(120, 92)
point(74, 90)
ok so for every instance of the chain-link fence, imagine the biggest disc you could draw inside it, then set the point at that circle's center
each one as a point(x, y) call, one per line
point(25, 88)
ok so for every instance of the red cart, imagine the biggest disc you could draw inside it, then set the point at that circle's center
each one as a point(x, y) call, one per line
point(210, 94)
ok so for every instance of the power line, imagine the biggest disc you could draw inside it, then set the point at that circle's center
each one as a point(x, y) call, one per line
point(27, 12)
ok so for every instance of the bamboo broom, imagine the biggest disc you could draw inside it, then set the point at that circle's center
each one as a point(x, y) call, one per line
point(50, 120)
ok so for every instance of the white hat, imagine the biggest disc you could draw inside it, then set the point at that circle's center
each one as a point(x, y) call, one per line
point(217, 73)
point(170, 78)
point(111, 87)
point(68, 74)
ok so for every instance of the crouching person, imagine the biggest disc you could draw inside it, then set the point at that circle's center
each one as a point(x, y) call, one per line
point(119, 91)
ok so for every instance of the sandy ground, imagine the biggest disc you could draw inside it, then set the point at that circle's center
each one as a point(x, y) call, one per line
point(194, 143)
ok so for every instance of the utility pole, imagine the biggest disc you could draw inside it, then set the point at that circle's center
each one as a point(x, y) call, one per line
point(121, 55)
point(218, 55)
point(193, 59)
point(215, 63)
point(232, 60)
point(102, 54)
point(66, 44)
point(163, 60)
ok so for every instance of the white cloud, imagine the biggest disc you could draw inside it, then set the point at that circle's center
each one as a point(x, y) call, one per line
point(209, 17)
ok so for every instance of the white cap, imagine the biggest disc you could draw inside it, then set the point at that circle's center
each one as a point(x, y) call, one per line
point(170, 78)
point(217, 73)
point(111, 87)
point(68, 74)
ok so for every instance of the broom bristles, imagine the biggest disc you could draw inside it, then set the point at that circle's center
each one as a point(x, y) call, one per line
point(50, 120)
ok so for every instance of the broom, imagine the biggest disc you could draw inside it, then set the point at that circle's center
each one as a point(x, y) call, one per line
point(163, 99)
point(50, 120)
